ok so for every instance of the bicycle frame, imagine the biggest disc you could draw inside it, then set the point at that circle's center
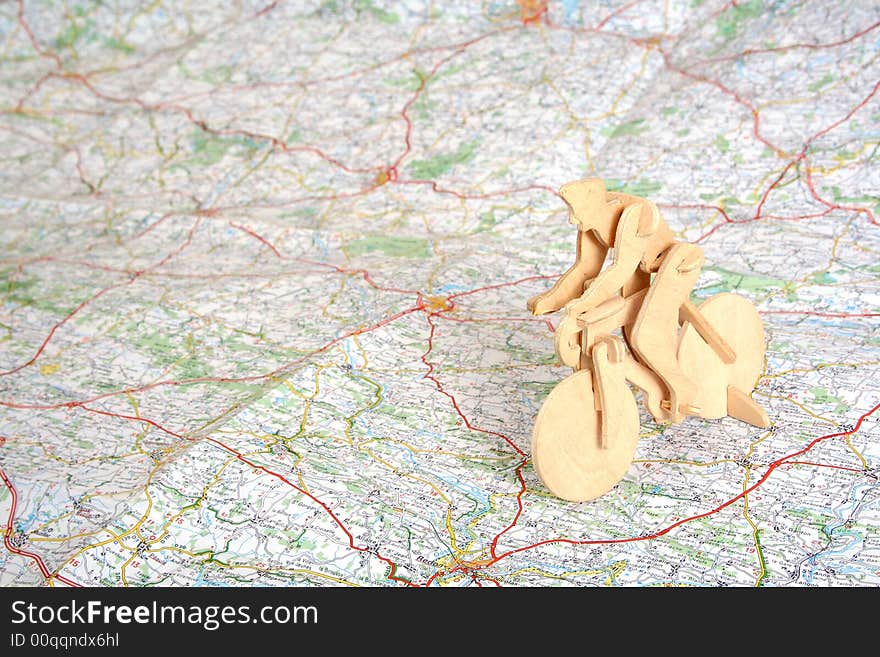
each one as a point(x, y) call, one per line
point(598, 325)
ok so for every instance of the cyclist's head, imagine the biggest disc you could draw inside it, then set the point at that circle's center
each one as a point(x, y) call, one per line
point(591, 208)
point(586, 203)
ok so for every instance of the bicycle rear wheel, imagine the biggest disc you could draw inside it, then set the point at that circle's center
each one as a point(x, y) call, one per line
point(739, 323)
point(566, 441)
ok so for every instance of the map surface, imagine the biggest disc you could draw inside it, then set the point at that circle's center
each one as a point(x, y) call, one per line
point(264, 267)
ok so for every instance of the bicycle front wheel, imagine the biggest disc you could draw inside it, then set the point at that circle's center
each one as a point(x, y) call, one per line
point(566, 442)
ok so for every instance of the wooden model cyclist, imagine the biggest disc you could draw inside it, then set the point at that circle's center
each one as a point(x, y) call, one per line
point(687, 360)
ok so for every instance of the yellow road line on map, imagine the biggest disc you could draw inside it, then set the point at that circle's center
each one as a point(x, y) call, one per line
point(799, 405)
point(439, 492)
point(800, 370)
point(755, 538)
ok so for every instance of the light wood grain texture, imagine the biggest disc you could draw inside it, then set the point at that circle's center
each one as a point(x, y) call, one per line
point(566, 442)
point(739, 324)
point(654, 336)
point(689, 313)
point(610, 378)
point(687, 360)
point(627, 250)
point(591, 208)
point(650, 384)
point(615, 313)
point(743, 407)
point(590, 255)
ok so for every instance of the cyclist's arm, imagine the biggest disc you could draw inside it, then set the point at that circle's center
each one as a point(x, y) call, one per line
point(628, 249)
point(588, 262)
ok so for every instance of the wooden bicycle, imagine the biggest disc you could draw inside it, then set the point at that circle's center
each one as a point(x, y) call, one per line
point(687, 359)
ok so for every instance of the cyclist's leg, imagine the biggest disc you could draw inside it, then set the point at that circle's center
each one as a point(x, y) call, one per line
point(654, 336)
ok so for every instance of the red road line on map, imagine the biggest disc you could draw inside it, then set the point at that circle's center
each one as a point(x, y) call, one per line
point(458, 48)
point(265, 10)
point(134, 277)
point(785, 460)
point(779, 217)
point(709, 232)
point(728, 220)
point(646, 537)
point(848, 116)
point(78, 263)
point(808, 178)
point(256, 236)
point(27, 135)
point(81, 172)
point(429, 375)
point(151, 227)
point(33, 39)
point(275, 142)
point(58, 325)
point(484, 288)
point(229, 449)
point(280, 144)
point(772, 186)
point(698, 206)
point(408, 54)
point(134, 418)
point(84, 81)
point(423, 83)
point(767, 217)
point(216, 379)
point(620, 10)
point(756, 121)
point(794, 46)
point(802, 156)
point(363, 273)
point(19, 106)
point(430, 366)
point(301, 199)
point(257, 377)
point(499, 320)
point(469, 197)
point(44, 571)
point(238, 455)
point(392, 170)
